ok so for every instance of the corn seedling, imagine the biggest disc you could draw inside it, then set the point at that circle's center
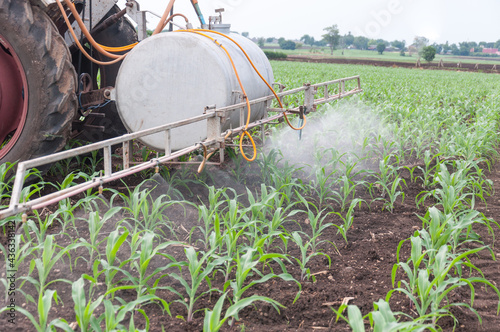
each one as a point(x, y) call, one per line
point(50, 255)
point(213, 321)
point(199, 270)
point(139, 261)
point(392, 193)
point(348, 219)
point(44, 304)
point(114, 315)
point(434, 284)
point(246, 266)
point(305, 257)
point(95, 224)
point(428, 169)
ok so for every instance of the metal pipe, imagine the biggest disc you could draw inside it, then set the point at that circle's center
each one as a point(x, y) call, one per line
point(198, 12)
point(126, 140)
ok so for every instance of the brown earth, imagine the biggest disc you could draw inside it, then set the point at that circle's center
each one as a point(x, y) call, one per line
point(360, 269)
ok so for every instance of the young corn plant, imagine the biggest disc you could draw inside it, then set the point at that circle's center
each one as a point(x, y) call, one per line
point(13, 261)
point(39, 231)
point(41, 323)
point(261, 207)
point(140, 260)
point(348, 219)
point(6, 182)
point(428, 170)
point(246, 265)
point(95, 224)
point(392, 193)
point(382, 319)
point(113, 315)
point(114, 243)
point(387, 173)
point(214, 321)
point(305, 257)
point(50, 255)
point(452, 195)
point(435, 283)
point(321, 185)
point(316, 221)
point(199, 270)
point(209, 213)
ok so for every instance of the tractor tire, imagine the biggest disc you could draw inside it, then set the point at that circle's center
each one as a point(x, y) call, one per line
point(119, 34)
point(37, 84)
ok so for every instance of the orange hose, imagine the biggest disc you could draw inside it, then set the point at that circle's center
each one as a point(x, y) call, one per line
point(245, 132)
point(171, 17)
point(163, 19)
point(258, 73)
point(84, 29)
point(101, 63)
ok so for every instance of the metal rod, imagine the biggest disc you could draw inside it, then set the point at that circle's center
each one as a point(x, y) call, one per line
point(127, 142)
point(108, 170)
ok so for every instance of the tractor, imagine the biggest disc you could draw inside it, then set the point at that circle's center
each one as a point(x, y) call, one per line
point(79, 69)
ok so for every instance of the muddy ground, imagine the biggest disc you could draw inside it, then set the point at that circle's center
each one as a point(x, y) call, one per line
point(360, 270)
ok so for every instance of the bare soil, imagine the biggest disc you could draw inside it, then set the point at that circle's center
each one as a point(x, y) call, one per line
point(360, 269)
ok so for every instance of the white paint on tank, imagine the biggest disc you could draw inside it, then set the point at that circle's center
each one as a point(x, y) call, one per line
point(174, 76)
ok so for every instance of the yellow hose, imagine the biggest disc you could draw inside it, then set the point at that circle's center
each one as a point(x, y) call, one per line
point(245, 132)
point(66, 19)
point(119, 48)
point(258, 73)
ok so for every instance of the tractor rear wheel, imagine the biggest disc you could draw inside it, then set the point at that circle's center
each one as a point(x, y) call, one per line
point(37, 84)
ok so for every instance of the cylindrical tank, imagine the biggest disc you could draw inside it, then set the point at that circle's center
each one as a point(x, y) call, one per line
point(174, 76)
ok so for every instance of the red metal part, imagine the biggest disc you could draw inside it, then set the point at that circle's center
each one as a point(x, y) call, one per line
point(13, 96)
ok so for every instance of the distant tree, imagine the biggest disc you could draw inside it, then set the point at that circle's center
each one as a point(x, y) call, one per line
point(320, 43)
point(454, 49)
point(308, 40)
point(261, 42)
point(429, 53)
point(437, 47)
point(288, 45)
point(464, 49)
point(332, 37)
point(446, 47)
point(270, 39)
point(348, 39)
point(245, 34)
point(399, 44)
point(420, 42)
point(380, 48)
point(360, 43)
point(281, 40)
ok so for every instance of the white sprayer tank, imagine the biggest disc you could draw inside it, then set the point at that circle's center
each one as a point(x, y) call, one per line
point(173, 76)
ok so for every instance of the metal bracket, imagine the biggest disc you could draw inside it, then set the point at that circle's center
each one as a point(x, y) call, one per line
point(134, 11)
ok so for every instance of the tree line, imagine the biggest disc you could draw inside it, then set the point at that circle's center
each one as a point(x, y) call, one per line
point(334, 40)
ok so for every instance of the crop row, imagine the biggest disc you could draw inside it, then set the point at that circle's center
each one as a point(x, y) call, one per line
point(439, 127)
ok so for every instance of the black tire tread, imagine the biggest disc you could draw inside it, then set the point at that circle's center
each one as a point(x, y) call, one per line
point(57, 103)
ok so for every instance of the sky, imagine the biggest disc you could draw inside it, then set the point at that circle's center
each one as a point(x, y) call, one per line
point(438, 20)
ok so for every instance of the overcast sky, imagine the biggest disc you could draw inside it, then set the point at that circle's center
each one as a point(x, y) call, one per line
point(438, 20)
